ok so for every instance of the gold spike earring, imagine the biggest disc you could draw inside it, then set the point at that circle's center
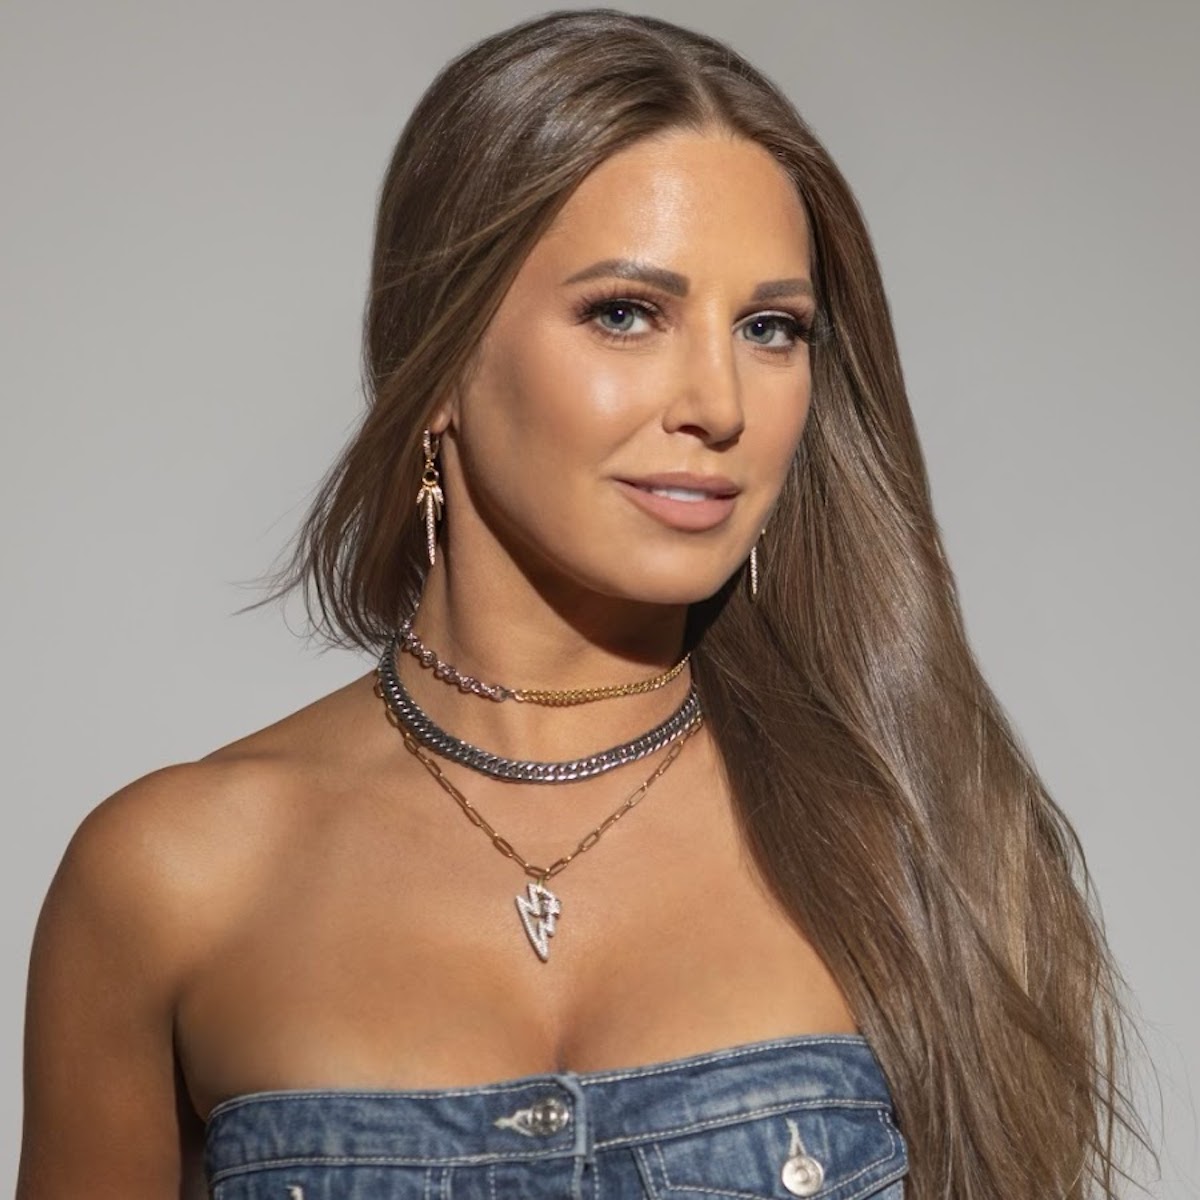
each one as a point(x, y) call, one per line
point(430, 494)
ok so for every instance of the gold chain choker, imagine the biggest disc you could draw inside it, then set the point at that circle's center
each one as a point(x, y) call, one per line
point(404, 712)
point(407, 639)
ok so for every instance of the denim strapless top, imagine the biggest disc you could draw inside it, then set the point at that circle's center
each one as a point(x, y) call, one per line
point(806, 1115)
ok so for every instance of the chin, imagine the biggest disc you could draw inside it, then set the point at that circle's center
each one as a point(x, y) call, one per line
point(653, 587)
point(642, 574)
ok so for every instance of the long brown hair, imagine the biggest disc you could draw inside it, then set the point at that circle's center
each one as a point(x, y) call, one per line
point(885, 796)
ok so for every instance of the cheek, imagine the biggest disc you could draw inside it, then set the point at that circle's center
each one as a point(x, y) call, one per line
point(779, 427)
point(574, 402)
point(797, 420)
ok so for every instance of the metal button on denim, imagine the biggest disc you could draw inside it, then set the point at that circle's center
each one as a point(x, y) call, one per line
point(548, 1116)
point(541, 1119)
point(718, 1124)
point(802, 1175)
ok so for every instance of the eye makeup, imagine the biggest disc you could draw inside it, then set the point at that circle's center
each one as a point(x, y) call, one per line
point(796, 325)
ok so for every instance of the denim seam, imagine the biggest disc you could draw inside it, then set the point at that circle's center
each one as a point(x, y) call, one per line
point(544, 1079)
point(836, 1190)
point(400, 1160)
point(874, 1183)
point(283, 1095)
point(891, 1151)
point(671, 1186)
point(380, 1160)
point(644, 1171)
point(577, 1174)
point(735, 1119)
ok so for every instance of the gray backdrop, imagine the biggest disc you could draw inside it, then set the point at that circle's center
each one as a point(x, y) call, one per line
point(185, 222)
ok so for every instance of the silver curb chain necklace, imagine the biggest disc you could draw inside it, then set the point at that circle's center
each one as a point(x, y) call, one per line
point(539, 908)
point(410, 716)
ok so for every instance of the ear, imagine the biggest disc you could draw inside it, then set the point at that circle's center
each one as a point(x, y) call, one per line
point(445, 412)
point(441, 417)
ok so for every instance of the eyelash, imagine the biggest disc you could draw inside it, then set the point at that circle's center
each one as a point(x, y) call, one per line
point(590, 307)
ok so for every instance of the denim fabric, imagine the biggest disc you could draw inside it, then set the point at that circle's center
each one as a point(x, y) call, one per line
point(719, 1124)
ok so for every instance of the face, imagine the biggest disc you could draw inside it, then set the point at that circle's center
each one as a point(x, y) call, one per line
point(638, 397)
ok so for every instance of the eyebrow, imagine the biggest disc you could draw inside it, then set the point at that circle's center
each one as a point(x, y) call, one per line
point(677, 285)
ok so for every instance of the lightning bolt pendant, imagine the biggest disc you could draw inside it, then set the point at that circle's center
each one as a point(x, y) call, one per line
point(539, 910)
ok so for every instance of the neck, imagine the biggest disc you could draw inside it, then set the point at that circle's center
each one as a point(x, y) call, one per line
point(515, 632)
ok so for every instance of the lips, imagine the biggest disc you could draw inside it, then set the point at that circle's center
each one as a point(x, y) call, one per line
point(682, 500)
point(709, 485)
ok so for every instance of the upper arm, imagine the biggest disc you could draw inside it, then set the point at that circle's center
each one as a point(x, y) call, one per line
point(103, 1115)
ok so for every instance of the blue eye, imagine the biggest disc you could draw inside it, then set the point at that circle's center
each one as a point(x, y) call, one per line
point(623, 308)
point(794, 329)
point(614, 314)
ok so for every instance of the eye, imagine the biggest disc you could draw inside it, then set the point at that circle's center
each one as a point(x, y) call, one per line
point(614, 315)
point(621, 311)
point(794, 329)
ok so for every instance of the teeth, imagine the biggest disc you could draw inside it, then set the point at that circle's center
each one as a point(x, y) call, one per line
point(679, 493)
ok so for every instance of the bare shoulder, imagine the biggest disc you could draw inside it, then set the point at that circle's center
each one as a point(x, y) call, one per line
point(155, 860)
point(153, 880)
point(176, 853)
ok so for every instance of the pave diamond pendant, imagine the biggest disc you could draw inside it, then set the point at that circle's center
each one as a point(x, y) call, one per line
point(539, 910)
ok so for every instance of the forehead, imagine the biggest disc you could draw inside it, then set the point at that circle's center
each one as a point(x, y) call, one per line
point(699, 196)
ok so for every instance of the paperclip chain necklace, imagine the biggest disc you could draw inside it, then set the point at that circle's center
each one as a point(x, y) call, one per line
point(540, 908)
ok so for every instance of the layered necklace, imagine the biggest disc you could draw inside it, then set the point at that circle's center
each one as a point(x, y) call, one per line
point(538, 907)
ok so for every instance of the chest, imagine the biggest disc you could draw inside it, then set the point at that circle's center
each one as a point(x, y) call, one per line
point(394, 955)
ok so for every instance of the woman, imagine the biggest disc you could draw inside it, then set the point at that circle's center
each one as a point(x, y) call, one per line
point(758, 895)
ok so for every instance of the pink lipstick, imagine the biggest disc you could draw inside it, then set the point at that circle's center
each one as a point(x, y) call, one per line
point(682, 499)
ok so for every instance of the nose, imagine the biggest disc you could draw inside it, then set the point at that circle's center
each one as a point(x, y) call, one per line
point(707, 399)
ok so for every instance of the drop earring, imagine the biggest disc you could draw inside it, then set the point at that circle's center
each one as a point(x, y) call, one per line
point(430, 494)
point(754, 569)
